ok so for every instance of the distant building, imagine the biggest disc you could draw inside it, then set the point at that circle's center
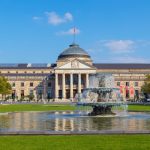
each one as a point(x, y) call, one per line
point(70, 75)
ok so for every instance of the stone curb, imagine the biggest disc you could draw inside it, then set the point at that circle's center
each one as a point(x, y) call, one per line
point(103, 132)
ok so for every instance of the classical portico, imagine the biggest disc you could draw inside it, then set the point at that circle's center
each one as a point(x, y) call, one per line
point(70, 82)
point(68, 87)
point(74, 66)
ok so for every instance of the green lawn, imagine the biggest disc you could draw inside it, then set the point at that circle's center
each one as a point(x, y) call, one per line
point(75, 142)
point(139, 107)
point(50, 107)
point(34, 107)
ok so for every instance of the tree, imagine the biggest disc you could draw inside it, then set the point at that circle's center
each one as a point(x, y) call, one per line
point(146, 87)
point(5, 87)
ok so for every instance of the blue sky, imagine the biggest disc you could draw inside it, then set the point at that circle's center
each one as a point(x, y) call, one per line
point(37, 31)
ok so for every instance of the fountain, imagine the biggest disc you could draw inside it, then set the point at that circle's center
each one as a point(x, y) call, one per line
point(101, 95)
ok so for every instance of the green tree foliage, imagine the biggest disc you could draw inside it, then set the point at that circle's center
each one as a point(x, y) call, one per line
point(5, 87)
point(146, 86)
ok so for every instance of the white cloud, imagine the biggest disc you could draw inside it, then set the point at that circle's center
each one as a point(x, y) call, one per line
point(121, 51)
point(69, 32)
point(55, 19)
point(36, 18)
point(68, 16)
point(120, 46)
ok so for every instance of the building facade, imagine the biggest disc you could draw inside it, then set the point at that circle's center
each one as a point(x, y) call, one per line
point(62, 80)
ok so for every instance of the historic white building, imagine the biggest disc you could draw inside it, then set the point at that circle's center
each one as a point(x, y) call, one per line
point(70, 75)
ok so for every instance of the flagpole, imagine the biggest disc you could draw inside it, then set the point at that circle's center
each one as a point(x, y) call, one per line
point(74, 32)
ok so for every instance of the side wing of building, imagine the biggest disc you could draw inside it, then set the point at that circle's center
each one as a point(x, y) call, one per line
point(29, 79)
point(128, 77)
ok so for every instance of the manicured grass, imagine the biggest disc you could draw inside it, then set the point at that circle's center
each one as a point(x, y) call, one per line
point(75, 142)
point(51, 107)
point(34, 107)
point(139, 107)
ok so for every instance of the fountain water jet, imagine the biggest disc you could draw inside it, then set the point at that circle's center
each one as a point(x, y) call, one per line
point(101, 95)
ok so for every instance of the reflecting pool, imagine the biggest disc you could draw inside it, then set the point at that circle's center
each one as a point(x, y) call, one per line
point(63, 121)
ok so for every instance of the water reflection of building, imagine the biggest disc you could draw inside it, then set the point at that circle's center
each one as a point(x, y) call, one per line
point(66, 121)
point(70, 75)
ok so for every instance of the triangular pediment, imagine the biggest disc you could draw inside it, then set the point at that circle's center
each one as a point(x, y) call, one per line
point(75, 64)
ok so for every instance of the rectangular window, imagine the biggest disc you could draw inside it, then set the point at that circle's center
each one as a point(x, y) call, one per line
point(31, 92)
point(136, 84)
point(136, 95)
point(13, 94)
point(31, 84)
point(39, 94)
point(13, 84)
point(118, 83)
point(40, 84)
point(49, 84)
point(127, 94)
point(127, 84)
point(22, 93)
point(22, 84)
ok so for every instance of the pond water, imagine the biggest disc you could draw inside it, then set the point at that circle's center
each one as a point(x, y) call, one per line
point(63, 121)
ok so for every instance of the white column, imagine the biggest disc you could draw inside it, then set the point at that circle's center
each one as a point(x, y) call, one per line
point(44, 91)
point(63, 86)
point(35, 94)
point(79, 83)
point(71, 86)
point(87, 80)
point(56, 85)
